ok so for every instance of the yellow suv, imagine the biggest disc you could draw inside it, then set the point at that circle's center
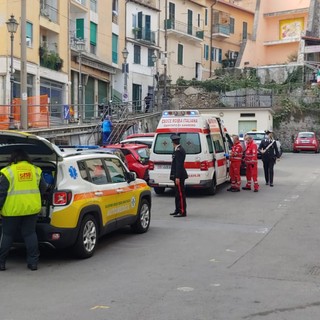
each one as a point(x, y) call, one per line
point(90, 194)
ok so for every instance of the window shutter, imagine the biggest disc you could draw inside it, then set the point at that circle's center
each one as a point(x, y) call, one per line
point(93, 33)
point(80, 28)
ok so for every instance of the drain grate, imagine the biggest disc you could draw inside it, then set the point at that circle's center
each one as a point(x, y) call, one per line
point(314, 271)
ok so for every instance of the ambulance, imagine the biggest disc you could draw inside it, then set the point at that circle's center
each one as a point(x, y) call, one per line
point(206, 143)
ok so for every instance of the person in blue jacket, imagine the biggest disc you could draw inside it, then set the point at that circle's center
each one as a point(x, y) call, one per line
point(106, 130)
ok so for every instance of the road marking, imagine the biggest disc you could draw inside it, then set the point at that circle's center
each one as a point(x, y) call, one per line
point(215, 284)
point(230, 250)
point(214, 260)
point(185, 289)
point(99, 307)
point(262, 230)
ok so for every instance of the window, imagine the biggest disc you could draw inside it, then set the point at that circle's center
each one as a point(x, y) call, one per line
point(150, 54)
point(199, 20)
point(29, 34)
point(232, 25)
point(93, 37)
point(93, 5)
point(206, 52)
point(180, 53)
point(217, 142)
point(93, 171)
point(216, 54)
point(189, 141)
point(80, 28)
point(190, 17)
point(244, 31)
point(209, 142)
point(116, 170)
point(206, 17)
point(136, 54)
point(114, 48)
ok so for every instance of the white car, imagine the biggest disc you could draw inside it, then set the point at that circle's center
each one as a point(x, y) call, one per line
point(258, 136)
point(139, 140)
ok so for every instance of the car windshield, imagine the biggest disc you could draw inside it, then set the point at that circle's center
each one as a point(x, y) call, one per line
point(189, 141)
point(257, 136)
point(306, 135)
point(144, 153)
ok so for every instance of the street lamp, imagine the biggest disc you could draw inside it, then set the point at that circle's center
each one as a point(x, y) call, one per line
point(154, 60)
point(12, 26)
point(125, 54)
point(81, 47)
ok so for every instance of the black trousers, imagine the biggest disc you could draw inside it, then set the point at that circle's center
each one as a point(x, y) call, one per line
point(180, 198)
point(27, 226)
point(268, 165)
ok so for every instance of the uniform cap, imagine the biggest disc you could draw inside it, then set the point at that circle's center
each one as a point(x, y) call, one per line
point(174, 137)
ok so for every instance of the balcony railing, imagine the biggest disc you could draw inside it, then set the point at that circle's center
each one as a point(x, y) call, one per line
point(49, 12)
point(221, 29)
point(144, 34)
point(183, 28)
point(82, 2)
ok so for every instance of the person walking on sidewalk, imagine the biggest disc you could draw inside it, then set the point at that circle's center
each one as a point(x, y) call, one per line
point(178, 174)
point(251, 159)
point(235, 157)
point(269, 151)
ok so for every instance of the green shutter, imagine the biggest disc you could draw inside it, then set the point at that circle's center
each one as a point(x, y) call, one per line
point(29, 30)
point(80, 28)
point(114, 48)
point(180, 54)
point(93, 33)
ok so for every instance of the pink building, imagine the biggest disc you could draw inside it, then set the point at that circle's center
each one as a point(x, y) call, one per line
point(281, 31)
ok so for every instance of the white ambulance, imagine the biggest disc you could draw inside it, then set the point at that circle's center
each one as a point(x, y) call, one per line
point(206, 144)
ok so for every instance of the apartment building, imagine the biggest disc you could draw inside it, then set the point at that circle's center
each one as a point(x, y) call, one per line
point(46, 51)
point(227, 28)
point(141, 47)
point(278, 30)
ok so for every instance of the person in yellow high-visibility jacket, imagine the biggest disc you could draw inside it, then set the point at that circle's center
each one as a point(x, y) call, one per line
point(21, 185)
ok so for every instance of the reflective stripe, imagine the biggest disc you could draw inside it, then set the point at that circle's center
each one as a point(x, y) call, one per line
point(11, 193)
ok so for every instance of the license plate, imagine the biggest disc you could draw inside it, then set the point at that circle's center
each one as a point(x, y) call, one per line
point(305, 141)
point(163, 166)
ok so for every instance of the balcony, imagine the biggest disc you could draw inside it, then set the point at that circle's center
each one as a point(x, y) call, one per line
point(221, 31)
point(144, 35)
point(184, 30)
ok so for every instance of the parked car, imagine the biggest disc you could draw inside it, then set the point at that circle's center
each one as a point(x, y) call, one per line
point(90, 194)
point(139, 140)
point(258, 136)
point(137, 156)
point(92, 149)
point(306, 141)
point(141, 135)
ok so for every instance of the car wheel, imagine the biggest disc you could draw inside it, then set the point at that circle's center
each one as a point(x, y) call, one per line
point(159, 190)
point(213, 187)
point(143, 217)
point(87, 238)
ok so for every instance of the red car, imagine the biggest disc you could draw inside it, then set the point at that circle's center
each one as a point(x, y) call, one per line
point(137, 156)
point(306, 141)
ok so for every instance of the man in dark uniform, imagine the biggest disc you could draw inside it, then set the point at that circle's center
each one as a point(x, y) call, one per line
point(178, 174)
point(269, 151)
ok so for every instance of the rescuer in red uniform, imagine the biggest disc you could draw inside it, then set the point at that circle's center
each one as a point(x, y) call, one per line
point(235, 163)
point(251, 159)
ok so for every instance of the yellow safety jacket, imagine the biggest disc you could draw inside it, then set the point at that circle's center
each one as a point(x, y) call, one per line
point(23, 197)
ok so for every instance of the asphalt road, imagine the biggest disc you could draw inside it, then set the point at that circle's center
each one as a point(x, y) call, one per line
point(236, 256)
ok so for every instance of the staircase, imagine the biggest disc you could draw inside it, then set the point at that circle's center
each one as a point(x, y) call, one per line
point(121, 123)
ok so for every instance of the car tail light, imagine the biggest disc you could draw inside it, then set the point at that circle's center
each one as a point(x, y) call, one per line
point(151, 165)
point(204, 166)
point(62, 198)
point(314, 142)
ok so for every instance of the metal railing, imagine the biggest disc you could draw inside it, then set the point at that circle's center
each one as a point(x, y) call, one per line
point(48, 115)
point(184, 28)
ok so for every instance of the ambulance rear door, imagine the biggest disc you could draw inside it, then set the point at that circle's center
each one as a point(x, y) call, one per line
point(219, 145)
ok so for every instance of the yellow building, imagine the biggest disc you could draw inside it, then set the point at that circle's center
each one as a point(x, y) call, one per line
point(227, 28)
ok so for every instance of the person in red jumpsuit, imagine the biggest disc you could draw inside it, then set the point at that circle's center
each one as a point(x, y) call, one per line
point(235, 157)
point(251, 159)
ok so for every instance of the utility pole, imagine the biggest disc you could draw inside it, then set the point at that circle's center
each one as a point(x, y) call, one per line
point(165, 96)
point(23, 93)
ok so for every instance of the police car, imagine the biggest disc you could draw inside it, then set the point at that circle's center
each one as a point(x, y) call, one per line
point(90, 194)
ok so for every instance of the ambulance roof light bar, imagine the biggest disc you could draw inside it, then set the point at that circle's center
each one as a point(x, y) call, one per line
point(180, 113)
